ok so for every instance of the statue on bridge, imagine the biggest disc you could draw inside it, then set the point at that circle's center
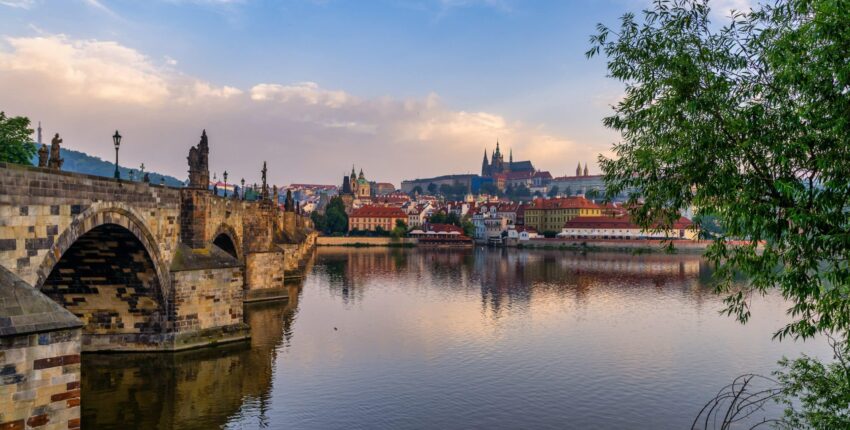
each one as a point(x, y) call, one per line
point(42, 155)
point(199, 170)
point(265, 190)
point(55, 162)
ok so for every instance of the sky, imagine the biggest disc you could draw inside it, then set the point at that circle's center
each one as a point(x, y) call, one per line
point(400, 88)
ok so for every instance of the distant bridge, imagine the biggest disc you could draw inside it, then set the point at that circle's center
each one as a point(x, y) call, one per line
point(143, 266)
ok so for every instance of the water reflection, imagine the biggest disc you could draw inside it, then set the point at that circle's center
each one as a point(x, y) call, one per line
point(467, 338)
point(196, 389)
point(508, 277)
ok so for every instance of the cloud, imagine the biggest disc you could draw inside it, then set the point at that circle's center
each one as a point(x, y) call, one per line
point(22, 4)
point(85, 89)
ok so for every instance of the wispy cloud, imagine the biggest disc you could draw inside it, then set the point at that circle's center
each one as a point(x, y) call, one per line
point(22, 4)
point(99, 6)
point(85, 88)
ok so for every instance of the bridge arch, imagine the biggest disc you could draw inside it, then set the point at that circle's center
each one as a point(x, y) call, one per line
point(226, 238)
point(106, 267)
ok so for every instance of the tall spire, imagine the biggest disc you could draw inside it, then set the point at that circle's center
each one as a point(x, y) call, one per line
point(39, 133)
point(578, 169)
point(585, 170)
point(511, 157)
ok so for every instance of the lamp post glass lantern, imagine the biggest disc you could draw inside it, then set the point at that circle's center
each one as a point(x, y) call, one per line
point(243, 188)
point(116, 139)
point(224, 175)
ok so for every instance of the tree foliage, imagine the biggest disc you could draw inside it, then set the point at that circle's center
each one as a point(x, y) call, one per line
point(746, 120)
point(15, 144)
point(336, 220)
point(750, 122)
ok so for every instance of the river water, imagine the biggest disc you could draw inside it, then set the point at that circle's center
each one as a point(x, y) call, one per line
point(415, 338)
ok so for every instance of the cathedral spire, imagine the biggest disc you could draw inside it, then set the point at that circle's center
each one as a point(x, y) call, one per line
point(511, 156)
point(578, 169)
point(585, 170)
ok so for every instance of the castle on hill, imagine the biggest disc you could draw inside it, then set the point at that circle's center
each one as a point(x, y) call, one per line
point(498, 166)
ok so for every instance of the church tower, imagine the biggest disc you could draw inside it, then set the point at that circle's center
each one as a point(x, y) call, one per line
point(578, 169)
point(585, 170)
point(485, 166)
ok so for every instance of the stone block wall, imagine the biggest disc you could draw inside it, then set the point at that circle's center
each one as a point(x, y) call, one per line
point(264, 273)
point(40, 380)
point(207, 298)
point(38, 205)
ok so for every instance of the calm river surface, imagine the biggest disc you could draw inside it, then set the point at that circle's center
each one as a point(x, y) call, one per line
point(416, 338)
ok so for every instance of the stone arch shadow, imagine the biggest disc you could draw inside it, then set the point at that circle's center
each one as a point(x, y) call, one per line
point(108, 254)
point(226, 238)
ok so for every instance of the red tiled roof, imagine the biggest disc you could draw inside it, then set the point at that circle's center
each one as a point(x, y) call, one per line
point(444, 228)
point(620, 222)
point(378, 212)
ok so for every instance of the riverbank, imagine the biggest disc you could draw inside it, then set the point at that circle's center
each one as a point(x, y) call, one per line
point(631, 245)
point(360, 242)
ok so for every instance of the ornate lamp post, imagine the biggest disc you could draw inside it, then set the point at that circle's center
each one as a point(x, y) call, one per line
point(116, 139)
point(243, 188)
point(224, 175)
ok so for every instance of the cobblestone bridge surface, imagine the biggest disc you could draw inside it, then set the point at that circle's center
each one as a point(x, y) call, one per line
point(90, 264)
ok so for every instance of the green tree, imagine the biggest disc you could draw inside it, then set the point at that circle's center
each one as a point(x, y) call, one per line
point(553, 192)
point(15, 144)
point(488, 188)
point(336, 219)
point(432, 188)
point(747, 121)
point(416, 190)
point(400, 229)
point(319, 221)
point(468, 228)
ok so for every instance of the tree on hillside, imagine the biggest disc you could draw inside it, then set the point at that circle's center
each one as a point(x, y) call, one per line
point(15, 143)
point(747, 121)
point(553, 192)
point(336, 220)
point(432, 188)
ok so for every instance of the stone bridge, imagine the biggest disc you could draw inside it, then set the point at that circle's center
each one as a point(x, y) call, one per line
point(143, 266)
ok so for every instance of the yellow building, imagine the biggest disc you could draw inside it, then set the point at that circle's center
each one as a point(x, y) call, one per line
point(552, 214)
point(369, 218)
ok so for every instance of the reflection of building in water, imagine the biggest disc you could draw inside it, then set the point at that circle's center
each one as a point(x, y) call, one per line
point(503, 277)
point(198, 389)
point(349, 270)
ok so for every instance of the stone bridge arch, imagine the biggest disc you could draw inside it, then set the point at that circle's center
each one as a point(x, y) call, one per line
point(226, 238)
point(106, 268)
point(96, 215)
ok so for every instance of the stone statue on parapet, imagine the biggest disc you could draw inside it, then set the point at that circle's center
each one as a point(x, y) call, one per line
point(265, 190)
point(55, 161)
point(199, 172)
point(42, 155)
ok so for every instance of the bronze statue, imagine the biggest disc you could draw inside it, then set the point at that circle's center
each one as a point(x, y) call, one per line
point(42, 155)
point(55, 161)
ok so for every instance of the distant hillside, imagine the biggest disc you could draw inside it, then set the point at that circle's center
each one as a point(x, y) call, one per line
point(80, 162)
